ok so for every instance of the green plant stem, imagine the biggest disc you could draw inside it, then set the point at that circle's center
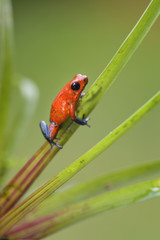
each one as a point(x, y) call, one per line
point(124, 53)
point(43, 156)
point(15, 214)
point(20, 183)
point(72, 214)
point(92, 188)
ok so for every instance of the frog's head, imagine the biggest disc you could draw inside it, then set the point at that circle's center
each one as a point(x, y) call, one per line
point(72, 90)
point(78, 84)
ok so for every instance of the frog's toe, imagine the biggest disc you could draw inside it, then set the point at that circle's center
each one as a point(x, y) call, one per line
point(56, 144)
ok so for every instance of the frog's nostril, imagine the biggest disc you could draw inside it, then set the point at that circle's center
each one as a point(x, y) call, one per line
point(85, 79)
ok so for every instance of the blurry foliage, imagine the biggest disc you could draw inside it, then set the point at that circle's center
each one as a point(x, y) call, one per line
point(18, 95)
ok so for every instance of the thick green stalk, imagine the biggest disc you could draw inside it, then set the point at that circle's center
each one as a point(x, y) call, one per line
point(72, 214)
point(15, 214)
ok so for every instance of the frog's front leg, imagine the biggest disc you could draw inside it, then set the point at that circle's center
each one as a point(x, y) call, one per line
point(82, 95)
point(82, 121)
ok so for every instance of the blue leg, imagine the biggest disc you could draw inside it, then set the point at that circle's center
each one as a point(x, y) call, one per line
point(82, 94)
point(45, 131)
point(82, 121)
point(51, 142)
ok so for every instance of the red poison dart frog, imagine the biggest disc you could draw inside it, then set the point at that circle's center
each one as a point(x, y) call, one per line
point(63, 106)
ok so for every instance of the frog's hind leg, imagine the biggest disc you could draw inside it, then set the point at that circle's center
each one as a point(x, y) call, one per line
point(46, 133)
point(45, 130)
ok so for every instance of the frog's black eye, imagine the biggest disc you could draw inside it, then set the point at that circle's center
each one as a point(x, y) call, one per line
point(75, 86)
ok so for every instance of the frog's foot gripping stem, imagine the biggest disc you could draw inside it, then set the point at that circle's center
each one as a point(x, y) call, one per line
point(82, 121)
point(46, 134)
point(51, 142)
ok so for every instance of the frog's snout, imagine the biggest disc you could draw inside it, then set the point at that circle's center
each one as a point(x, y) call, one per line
point(85, 79)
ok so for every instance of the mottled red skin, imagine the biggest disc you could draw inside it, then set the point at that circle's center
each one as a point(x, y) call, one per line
point(64, 104)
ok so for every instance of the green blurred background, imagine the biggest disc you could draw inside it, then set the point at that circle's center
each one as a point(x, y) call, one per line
point(56, 40)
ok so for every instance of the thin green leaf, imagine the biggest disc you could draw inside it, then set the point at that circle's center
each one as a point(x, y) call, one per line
point(15, 214)
point(6, 76)
point(28, 98)
point(43, 227)
point(92, 188)
point(6, 64)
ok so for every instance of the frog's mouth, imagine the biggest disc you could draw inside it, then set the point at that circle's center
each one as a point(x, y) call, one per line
point(84, 84)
